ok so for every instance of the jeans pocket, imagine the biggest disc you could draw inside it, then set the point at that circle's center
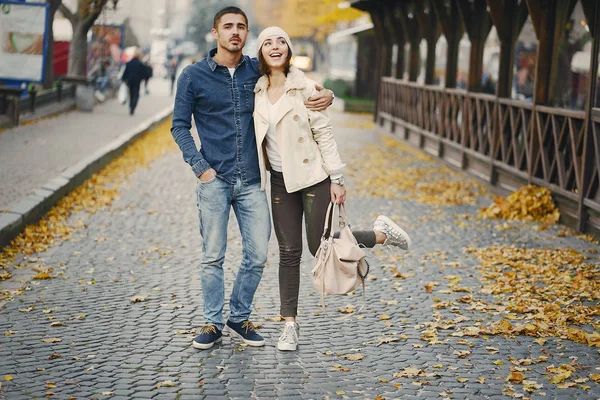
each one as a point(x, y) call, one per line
point(208, 181)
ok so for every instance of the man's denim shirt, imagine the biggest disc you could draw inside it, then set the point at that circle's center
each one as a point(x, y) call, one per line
point(222, 107)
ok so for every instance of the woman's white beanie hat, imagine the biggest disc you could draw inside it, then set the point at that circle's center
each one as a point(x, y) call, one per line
point(273, 31)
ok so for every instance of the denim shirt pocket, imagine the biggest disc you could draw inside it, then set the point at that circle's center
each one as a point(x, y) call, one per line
point(249, 94)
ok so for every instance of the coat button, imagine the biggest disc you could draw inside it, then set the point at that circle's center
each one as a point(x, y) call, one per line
point(296, 117)
point(305, 161)
point(300, 139)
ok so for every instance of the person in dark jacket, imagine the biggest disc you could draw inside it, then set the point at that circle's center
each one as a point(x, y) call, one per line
point(135, 72)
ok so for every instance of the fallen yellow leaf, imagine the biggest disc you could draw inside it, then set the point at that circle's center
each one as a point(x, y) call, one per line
point(515, 377)
point(353, 356)
point(52, 340)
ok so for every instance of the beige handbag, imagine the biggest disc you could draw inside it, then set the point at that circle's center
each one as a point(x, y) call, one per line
point(340, 265)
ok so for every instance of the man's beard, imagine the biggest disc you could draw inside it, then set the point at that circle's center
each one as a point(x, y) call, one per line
point(234, 48)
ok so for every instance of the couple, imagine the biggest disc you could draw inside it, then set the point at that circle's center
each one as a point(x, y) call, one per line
point(290, 137)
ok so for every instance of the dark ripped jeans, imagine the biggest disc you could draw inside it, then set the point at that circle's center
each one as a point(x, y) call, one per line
point(287, 210)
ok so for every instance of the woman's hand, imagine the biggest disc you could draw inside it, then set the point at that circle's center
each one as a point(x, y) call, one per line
point(338, 193)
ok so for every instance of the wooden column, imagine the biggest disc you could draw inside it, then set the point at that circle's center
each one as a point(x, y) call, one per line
point(591, 9)
point(453, 30)
point(549, 18)
point(409, 22)
point(383, 63)
point(477, 22)
point(378, 18)
point(431, 30)
point(508, 17)
point(396, 34)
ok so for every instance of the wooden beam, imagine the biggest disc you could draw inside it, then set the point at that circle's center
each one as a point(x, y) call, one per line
point(439, 7)
point(411, 26)
point(453, 30)
point(589, 10)
point(397, 34)
point(383, 61)
point(549, 24)
point(496, 13)
point(431, 30)
point(477, 22)
point(538, 15)
point(508, 16)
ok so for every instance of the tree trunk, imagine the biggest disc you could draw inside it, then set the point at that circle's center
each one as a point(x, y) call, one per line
point(78, 50)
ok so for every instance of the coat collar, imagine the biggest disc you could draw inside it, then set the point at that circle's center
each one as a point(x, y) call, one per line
point(294, 80)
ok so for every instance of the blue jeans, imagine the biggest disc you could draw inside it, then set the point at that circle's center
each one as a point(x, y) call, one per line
point(215, 199)
point(103, 82)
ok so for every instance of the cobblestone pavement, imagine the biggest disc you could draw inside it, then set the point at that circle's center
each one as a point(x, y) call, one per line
point(37, 153)
point(147, 244)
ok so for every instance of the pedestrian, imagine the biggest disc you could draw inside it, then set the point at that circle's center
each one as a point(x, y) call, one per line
point(172, 73)
point(135, 72)
point(148, 75)
point(218, 92)
point(100, 76)
point(298, 148)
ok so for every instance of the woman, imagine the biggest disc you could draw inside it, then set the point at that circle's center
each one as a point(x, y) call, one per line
point(298, 148)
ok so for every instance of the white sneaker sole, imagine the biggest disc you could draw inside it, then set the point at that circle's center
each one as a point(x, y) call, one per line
point(395, 226)
point(286, 347)
point(248, 342)
point(205, 346)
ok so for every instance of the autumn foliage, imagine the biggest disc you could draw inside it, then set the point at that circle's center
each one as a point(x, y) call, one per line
point(530, 204)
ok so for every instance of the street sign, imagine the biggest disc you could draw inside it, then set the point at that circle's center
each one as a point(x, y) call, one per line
point(23, 41)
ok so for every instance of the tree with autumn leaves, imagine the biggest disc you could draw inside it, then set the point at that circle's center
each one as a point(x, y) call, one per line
point(309, 20)
point(82, 19)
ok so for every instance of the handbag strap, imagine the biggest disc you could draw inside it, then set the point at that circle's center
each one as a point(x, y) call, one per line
point(328, 222)
point(342, 216)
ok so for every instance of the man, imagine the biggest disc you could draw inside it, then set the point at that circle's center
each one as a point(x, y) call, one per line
point(172, 73)
point(99, 74)
point(135, 72)
point(219, 92)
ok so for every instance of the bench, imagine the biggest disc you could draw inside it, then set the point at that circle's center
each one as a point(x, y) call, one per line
point(10, 100)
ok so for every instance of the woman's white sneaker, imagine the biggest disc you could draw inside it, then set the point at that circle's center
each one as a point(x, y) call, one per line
point(395, 235)
point(288, 341)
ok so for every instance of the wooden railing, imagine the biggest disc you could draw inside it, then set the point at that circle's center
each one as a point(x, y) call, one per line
point(507, 143)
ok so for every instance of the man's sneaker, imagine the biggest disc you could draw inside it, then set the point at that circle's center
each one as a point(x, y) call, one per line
point(246, 331)
point(209, 335)
point(395, 235)
point(289, 338)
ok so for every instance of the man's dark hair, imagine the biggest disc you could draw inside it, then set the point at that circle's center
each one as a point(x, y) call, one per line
point(229, 10)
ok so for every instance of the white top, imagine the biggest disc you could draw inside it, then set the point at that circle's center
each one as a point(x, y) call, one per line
point(271, 146)
point(231, 71)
